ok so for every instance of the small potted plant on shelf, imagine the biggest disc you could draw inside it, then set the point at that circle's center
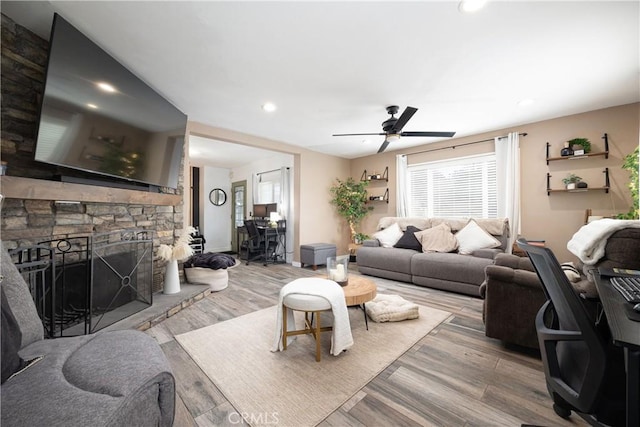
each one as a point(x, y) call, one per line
point(570, 181)
point(580, 144)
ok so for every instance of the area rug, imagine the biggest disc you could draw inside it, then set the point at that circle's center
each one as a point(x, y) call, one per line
point(289, 388)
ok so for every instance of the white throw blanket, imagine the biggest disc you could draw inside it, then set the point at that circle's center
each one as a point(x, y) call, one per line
point(341, 338)
point(589, 241)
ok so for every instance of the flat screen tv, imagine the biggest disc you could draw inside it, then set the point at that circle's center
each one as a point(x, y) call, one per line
point(98, 117)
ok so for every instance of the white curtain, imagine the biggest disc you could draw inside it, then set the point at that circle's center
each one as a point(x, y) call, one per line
point(508, 183)
point(254, 189)
point(284, 207)
point(402, 207)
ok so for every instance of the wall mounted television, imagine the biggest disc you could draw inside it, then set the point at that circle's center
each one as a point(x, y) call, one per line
point(98, 117)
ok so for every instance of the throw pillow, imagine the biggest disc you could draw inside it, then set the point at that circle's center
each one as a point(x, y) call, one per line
point(472, 237)
point(409, 240)
point(11, 339)
point(389, 236)
point(437, 239)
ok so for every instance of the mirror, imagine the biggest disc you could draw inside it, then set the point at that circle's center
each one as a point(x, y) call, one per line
point(218, 197)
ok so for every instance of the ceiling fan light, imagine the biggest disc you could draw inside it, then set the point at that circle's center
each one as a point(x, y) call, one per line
point(393, 137)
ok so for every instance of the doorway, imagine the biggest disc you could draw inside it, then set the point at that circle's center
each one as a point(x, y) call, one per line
point(238, 213)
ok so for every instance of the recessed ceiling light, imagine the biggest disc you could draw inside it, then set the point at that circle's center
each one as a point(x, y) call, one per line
point(269, 107)
point(94, 106)
point(470, 6)
point(525, 102)
point(106, 87)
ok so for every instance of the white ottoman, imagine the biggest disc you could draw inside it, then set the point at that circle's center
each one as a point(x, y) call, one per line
point(216, 279)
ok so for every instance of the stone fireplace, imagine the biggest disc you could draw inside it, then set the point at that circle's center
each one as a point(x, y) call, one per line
point(38, 208)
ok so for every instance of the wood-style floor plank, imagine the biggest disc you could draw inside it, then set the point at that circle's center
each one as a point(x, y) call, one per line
point(454, 376)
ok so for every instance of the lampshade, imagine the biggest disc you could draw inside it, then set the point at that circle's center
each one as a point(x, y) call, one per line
point(274, 217)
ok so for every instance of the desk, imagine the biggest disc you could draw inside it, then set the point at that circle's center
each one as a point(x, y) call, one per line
point(625, 333)
point(279, 235)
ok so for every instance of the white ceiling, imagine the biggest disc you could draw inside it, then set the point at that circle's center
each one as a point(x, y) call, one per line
point(333, 67)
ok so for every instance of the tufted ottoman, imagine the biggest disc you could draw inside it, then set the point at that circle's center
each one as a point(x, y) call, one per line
point(391, 308)
point(210, 269)
point(315, 254)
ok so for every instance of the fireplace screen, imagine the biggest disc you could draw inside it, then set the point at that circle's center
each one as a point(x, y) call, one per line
point(83, 284)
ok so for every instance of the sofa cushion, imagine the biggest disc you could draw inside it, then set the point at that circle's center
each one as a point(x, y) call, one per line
point(409, 239)
point(392, 259)
point(472, 237)
point(389, 236)
point(437, 239)
point(450, 266)
point(19, 298)
point(11, 338)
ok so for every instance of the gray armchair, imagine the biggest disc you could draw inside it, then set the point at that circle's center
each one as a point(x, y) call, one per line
point(119, 378)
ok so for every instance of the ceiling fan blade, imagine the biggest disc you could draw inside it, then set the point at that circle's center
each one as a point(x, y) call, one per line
point(403, 119)
point(356, 134)
point(383, 146)
point(431, 134)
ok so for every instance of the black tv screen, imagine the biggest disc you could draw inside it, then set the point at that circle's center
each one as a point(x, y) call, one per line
point(97, 116)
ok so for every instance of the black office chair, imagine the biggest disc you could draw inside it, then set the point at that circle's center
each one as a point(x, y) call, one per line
point(256, 246)
point(583, 370)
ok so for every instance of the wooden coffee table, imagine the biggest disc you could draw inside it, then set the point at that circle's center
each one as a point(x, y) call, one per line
point(358, 292)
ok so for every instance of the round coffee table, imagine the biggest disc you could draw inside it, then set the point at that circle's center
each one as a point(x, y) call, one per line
point(359, 291)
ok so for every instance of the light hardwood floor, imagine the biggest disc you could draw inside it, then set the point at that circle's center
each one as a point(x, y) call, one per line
point(454, 376)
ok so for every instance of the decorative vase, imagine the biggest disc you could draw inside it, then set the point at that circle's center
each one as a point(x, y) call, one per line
point(338, 269)
point(566, 151)
point(171, 278)
point(571, 186)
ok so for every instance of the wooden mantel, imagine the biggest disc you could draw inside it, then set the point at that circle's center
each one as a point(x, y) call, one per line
point(14, 187)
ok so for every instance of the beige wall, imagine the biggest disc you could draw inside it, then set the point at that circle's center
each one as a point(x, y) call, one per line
point(557, 217)
point(314, 219)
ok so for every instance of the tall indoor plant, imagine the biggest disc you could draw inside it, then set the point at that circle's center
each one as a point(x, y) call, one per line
point(350, 199)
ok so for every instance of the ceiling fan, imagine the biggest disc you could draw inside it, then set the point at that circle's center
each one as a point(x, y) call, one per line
point(392, 127)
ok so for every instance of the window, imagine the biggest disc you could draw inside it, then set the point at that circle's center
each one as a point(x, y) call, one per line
point(456, 188)
point(268, 187)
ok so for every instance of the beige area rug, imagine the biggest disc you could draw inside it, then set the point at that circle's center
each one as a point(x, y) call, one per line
point(289, 388)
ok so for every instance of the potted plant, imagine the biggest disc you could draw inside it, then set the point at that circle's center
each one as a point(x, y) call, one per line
point(631, 164)
point(570, 181)
point(580, 144)
point(359, 238)
point(350, 199)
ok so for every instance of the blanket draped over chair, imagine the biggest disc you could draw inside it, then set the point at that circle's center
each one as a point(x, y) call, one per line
point(341, 338)
point(589, 241)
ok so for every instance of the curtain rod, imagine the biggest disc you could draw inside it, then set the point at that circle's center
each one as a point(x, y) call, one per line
point(273, 170)
point(461, 145)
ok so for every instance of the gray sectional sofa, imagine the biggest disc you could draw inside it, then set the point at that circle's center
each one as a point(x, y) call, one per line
point(119, 378)
point(449, 271)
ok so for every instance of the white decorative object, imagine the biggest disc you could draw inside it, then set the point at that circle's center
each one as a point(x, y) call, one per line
point(389, 236)
point(174, 253)
point(171, 278)
point(472, 237)
point(338, 269)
